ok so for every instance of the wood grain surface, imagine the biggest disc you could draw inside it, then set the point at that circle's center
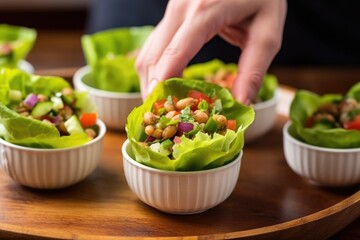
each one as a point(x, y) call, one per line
point(269, 202)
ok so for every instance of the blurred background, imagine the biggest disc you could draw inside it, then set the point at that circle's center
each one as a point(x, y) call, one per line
point(61, 23)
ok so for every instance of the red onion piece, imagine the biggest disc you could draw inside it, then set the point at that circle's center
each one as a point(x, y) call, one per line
point(185, 127)
point(31, 100)
point(150, 139)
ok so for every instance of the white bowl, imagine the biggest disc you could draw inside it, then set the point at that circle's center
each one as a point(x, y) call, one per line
point(180, 192)
point(327, 167)
point(51, 168)
point(265, 118)
point(113, 107)
point(26, 66)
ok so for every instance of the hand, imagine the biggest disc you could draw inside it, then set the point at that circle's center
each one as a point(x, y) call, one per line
point(256, 26)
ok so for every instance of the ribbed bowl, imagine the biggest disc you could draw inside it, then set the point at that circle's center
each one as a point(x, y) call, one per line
point(326, 167)
point(265, 118)
point(180, 192)
point(113, 107)
point(51, 168)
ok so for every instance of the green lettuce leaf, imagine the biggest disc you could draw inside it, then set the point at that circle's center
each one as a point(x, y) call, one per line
point(200, 70)
point(24, 131)
point(107, 51)
point(203, 152)
point(304, 104)
point(19, 39)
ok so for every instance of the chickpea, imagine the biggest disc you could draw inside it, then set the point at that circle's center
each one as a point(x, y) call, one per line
point(170, 114)
point(90, 132)
point(62, 128)
point(66, 112)
point(157, 133)
point(176, 118)
point(21, 109)
point(25, 113)
point(169, 132)
point(149, 129)
point(186, 102)
point(201, 116)
point(42, 97)
point(47, 121)
point(169, 106)
point(220, 119)
point(67, 91)
point(149, 118)
point(348, 105)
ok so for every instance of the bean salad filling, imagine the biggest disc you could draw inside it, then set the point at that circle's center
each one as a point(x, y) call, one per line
point(172, 118)
point(343, 114)
point(58, 109)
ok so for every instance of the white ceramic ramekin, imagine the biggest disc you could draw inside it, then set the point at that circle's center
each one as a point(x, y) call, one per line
point(326, 167)
point(51, 168)
point(265, 118)
point(180, 192)
point(113, 107)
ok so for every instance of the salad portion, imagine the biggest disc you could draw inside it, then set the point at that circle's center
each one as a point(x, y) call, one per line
point(15, 44)
point(111, 55)
point(172, 118)
point(330, 120)
point(344, 113)
point(188, 125)
point(44, 111)
point(223, 74)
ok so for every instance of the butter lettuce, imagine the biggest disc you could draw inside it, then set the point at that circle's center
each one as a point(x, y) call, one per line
point(200, 70)
point(107, 53)
point(15, 43)
point(304, 104)
point(24, 131)
point(202, 152)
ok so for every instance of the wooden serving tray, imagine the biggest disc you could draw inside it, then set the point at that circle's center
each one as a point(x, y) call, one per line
point(269, 202)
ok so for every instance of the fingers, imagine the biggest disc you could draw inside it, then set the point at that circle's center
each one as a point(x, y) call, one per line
point(262, 43)
point(153, 48)
point(174, 43)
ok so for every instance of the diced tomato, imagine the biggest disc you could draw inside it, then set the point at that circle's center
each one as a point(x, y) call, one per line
point(88, 119)
point(158, 105)
point(177, 139)
point(230, 79)
point(354, 124)
point(199, 96)
point(231, 124)
point(174, 99)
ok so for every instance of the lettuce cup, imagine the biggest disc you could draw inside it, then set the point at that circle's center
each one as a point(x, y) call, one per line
point(331, 120)
point(192, 144)
point(184, 147)
point(265, 104)
point(322, 138)
point(111, 56)
point(110, 77)
point(50, 134)
point(15, 44)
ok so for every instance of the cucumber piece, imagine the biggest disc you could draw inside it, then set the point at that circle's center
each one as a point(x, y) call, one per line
point(73, 125)
point(57, 103)
point(41, 109)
